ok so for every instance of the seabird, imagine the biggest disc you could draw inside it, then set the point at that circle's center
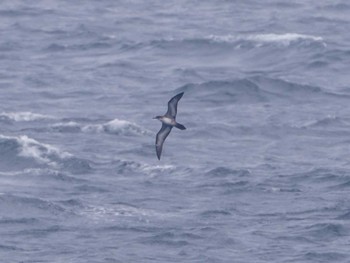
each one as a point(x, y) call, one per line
point(168, 122)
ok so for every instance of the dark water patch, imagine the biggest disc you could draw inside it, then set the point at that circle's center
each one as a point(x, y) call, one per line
point(10, 248)
point(345, 216)
point(333, 56)
point(9, 46)
point(112, 260)
point(290, 190)
point(72, 203)
point(42, 232)
point(226, 187)
point(228, 91)
point(82, 120)
point(224, 171)
point(324, 257)
point(87, 188)
point(25, 11)
point(197, 45)
point(48, 175)
point(26, 205)
point(257, 90)
point(326, 231)
point(188, 73)
point(68, 127)
point(285, 88)
point(124, 166)
point(330, 122)
point(342, 186)
point(321, 175)
point(226, 180)
point(5, 121)
point(296, 91)
point(167, 239)
point(129, 46)
point(214, 214)
point(318, 64)
point(55, 47)
point(19, 221)
point(77, 165)
point(337, 6)
point(298, 239)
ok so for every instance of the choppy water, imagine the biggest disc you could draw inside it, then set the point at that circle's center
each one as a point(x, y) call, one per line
point(262, 173)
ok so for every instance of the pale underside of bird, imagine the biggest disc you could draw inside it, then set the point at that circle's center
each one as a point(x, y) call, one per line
point(168, 122)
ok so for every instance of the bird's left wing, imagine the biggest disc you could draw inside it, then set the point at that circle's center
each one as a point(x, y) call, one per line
point(161, 136)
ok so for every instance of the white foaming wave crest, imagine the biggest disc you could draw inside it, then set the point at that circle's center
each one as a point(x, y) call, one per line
point(116, 212)
point(42, 153)
point(66, 124)
point(157, 168)
point(24, 116)
point(116, 126)
point(283, 39)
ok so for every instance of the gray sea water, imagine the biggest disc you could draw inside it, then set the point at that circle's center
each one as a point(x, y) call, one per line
point(262, 173)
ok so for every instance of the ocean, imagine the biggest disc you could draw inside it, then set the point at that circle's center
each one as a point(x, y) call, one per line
point(261, 174)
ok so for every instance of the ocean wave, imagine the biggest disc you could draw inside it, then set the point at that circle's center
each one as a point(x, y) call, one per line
point(254, 90)
point(116, 126)
point(23, 116)
point(300, 92)
point(214, 213)
point(226, 181)
point(119, 211)
point(30, 148)
point(19, 152)
point(24, 207)
point(43, 174)
point(224, 171)
point(238, 41)
point(345, 216)
point(328, 122)
point(338, 6)
point(221, 91)
point(214, 43)
point(25, 12)
point(327, 230)
point(125, 166)
point(324, 257)
point(286, 39)
point(54, 47)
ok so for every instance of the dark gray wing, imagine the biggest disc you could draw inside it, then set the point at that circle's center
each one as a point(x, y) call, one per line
point(172, 105)
point(161, 136)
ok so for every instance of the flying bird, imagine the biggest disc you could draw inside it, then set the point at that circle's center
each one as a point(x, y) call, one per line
point(168, 122)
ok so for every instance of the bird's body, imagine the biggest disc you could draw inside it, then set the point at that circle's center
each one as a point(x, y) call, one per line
point(168, 122)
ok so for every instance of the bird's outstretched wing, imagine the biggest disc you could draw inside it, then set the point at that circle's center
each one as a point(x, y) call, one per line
point(161, 136)
point(172, 105)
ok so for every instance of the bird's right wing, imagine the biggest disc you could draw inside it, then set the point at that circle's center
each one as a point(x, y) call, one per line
point(161, 136)
point(172, 105)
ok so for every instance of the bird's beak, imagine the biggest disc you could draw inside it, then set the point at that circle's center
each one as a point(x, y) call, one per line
point(154, 118)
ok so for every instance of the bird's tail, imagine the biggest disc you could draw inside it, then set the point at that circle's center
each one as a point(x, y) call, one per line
point(180, 126)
